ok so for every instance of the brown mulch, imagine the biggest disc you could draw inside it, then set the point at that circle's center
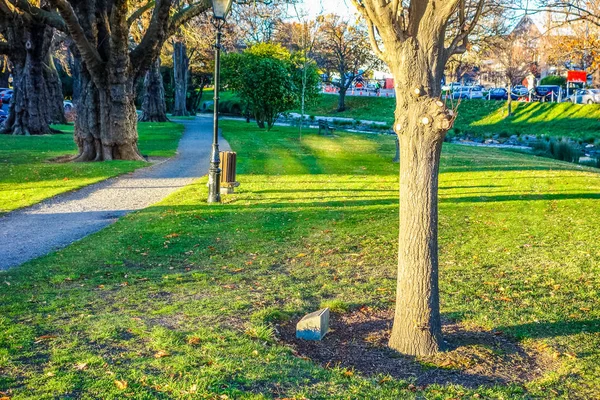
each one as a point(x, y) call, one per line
point(358, 341)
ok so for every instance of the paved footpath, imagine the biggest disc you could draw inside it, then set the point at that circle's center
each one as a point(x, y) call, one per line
point(57, 222)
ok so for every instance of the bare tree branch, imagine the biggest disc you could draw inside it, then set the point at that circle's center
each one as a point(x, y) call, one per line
point(89, 53)
point(149, 48)
point(186, 14)
point(139, 12)
point(50, 18)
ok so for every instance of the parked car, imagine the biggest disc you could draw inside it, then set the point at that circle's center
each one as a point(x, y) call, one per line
point(6, 96)
point(585, 96)
point(498, 94)
point(450, 87)
point(520, 90)
point(68, 106)
point(545, 92)
point(3, 116)
point(468, 92)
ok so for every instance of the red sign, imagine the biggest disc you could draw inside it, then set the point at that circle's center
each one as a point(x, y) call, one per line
point(577, 76)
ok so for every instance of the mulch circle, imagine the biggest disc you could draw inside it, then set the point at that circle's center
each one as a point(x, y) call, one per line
point(358, 341)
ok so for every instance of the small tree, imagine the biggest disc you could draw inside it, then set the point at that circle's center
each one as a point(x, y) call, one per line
point(343, 47)
point(267, 79)
point(416, 38)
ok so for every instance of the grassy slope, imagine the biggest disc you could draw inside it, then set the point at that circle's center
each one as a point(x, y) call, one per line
point(484, 118)
point(519, 253)
point(27, 177)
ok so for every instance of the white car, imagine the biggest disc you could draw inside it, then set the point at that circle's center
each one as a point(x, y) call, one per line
point(468, 92)
point(451, 87)
point(585, 96)
point(68, 106)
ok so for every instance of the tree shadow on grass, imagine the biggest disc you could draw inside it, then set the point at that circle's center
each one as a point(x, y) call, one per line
point(523, 197)
point(473, 358)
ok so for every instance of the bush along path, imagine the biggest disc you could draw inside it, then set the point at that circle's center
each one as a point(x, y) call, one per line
point(31, 232)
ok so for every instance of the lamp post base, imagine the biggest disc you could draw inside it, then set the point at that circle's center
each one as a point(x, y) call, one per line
point(214, 180)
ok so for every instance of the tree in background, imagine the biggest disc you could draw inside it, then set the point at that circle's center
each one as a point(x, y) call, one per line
point(343, 47)
point(266, 78)
point(416, 38)
point(27, 41)
point(106, 125)
point(259, 22)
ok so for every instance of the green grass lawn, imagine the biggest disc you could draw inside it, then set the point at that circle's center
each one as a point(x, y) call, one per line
point(179, 300)
point(483, 118)
point(27, 176)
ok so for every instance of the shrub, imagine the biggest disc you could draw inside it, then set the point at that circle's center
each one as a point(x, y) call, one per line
point(565, 151)
point(266, 77)
point(554, 80)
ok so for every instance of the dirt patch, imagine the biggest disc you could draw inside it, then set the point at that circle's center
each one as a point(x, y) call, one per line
point(473, 358)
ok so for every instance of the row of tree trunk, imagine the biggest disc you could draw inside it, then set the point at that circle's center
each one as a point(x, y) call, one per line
point(38, 97)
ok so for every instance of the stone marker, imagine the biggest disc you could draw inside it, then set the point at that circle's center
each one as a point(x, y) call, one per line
point(314, 325)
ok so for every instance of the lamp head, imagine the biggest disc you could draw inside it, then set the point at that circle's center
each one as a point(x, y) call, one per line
point(221, 8)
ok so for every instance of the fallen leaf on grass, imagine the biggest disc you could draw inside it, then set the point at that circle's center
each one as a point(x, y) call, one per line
point(172, 235)
point(80, 366)
point(121, 385)
point(161, 354)
point(300, 255)
point(194, 340)
point(348, 373)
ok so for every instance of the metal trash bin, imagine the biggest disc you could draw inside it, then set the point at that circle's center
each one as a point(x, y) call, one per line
point(228, 171)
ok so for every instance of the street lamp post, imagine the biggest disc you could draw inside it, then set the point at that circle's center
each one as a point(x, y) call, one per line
point(220, 10)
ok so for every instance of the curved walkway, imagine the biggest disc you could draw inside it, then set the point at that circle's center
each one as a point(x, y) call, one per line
point(57, 222)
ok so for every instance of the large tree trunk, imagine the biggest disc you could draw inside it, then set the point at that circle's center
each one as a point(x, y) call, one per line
point(180, 75)
point(54, 92)
point(4, 72)
point(154, 108)
point(106, 124)
point(37, 98)
point(422, 121)
point(87, 125)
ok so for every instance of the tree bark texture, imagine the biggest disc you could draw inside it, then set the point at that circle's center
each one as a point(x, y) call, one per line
point(342, 100)
point(416, 46)
point(37, 99)
point(180, 78)
point(422, 121)
point(106, 124)
point(154, 108)
point(4, 71)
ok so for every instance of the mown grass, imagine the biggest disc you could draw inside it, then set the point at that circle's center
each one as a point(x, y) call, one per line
point(176, 301)
point(27, 176)
point(481, 118)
